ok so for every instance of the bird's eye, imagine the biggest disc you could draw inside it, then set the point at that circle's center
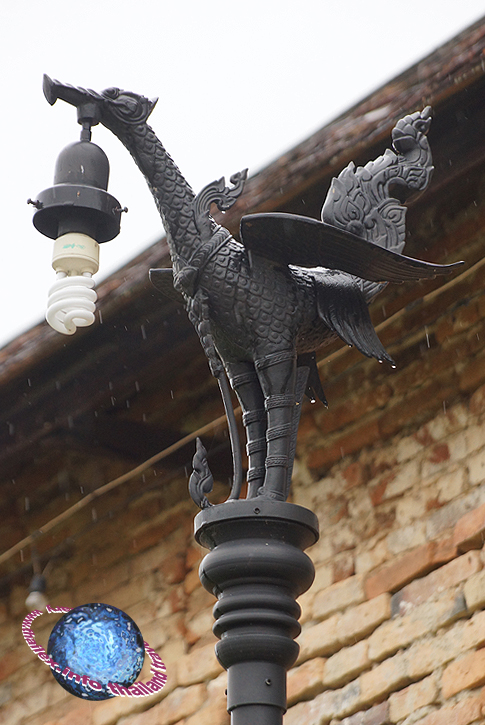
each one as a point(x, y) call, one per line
point(112, 92)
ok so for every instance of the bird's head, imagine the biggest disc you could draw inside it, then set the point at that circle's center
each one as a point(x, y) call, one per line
point(112, 107)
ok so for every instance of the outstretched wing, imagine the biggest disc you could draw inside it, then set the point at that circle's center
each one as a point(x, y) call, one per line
point(291, 239)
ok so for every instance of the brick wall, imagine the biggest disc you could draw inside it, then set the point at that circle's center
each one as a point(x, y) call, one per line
point(394, 625)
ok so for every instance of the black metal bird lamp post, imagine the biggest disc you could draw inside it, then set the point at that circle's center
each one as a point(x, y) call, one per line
point(261, 307)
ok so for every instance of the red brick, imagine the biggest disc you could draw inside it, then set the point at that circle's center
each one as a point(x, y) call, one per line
point(377, 715)
point(412, 698)
point(377, 492)
point(464, 674)
point(463, 713)
point(449, 575)
point(477, 401)
point(400, 632)
point(199, 665)
point(8, 664)
point(339, 596)
point(306, 681)
point(343, 567)
point(194, 557)
point(389, 676)
point(469, 532)
point(472, 375)
point(346, 664)
point(440, 453)
point(321, 639)
point(356, 474)
point(362, 435)
point(424, 437)
point(354, 408)
point(414, 406)
point(177, 599)
point(363, 619)
point(173, 569)
point(417, 562)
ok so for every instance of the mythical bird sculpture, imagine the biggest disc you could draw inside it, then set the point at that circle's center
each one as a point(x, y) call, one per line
point(263, 305)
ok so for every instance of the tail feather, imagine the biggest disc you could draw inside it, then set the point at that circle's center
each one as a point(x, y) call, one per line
point(342, 307)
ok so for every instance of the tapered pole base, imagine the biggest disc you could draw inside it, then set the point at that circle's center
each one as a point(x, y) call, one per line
point(256, 568)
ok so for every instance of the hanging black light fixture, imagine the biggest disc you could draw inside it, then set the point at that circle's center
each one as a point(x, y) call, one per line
point(79, 214)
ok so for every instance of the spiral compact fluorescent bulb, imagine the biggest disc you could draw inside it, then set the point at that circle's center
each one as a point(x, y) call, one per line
point(79, 214)
point(72, 299)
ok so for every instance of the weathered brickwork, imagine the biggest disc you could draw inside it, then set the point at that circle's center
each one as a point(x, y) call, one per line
point(398, 635)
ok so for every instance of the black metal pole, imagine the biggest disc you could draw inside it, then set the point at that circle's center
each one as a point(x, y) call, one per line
point(256, 568)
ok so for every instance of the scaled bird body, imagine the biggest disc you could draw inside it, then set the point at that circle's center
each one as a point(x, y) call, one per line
point(263, 305)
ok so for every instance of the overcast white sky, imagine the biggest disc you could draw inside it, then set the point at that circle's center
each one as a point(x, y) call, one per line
point(239, 83)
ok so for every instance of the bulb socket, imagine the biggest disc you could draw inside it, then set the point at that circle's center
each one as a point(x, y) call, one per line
point(75, 254)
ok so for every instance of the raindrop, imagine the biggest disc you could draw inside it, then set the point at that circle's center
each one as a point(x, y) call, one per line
point(110, 385)
point(21, 554)
point(100, 317)
point(171, 394)
point(185, 471)
point(58, 385)
point(113, 400)
point(143, 332)
point(11, 428)
point(143, 478)
point(94, 515)
point(144, 417)
point(383, 309)
point(81, 488)
point(27, 504)
point(127, 403)
point(427, 336)
point(380, 361)
point(393, 367)
point(70, 421)
point(137, 386)
point(444, 407)
point(29, 382)
point(14, 481)
point(312, 400)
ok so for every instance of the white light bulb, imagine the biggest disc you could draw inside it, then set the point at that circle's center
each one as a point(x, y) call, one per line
point(35, 600)
point(72, 299)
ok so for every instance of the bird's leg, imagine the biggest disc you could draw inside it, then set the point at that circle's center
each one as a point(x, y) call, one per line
point(277, 375)
point(245, 382)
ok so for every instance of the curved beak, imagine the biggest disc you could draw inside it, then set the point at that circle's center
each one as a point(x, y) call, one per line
point(153, 102)
point(75, 96)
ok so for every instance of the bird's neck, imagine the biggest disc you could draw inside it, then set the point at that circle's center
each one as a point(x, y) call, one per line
point(173, 195)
